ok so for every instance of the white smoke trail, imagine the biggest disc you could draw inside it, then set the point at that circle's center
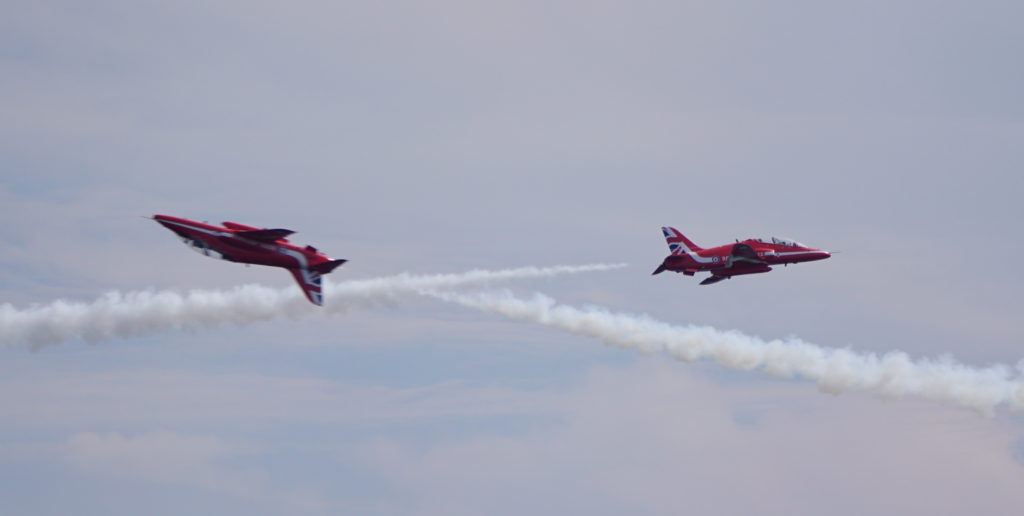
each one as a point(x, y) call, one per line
point(117, 314)
point(893, 374)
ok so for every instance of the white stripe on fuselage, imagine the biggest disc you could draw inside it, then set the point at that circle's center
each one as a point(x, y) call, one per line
point(299, 257)
point(700, 259)
point(729, 260)
point(793, 253)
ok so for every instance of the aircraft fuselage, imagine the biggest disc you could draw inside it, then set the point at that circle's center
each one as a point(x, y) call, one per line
point(751, 256)
point(251, 245)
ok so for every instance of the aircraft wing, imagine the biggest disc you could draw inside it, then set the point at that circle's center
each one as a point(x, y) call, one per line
point(311, 284)
point(264, 235)
point(744, 253)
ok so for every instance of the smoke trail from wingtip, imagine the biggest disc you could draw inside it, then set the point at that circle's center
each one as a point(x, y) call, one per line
point(893, 374)
point(343, 296)
point(117, 314)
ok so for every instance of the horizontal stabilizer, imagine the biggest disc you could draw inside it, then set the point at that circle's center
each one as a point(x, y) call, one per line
point(713, 279)
point(265, 235)
point(327, 267)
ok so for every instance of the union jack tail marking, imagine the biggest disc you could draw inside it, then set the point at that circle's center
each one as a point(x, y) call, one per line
point(677, 242)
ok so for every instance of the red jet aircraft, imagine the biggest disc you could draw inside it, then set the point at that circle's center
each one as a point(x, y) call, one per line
point(246, 244)
point(750, 256)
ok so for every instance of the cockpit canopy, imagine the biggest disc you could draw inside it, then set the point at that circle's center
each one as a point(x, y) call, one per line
point(791, 243)
point(780, 241)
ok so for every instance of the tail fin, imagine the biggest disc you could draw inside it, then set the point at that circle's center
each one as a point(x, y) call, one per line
point(311, 280)
point(677, 242)
point(327, 267)
point(311, 284)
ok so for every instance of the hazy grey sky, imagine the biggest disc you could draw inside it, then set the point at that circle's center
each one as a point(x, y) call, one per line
point(449, 135)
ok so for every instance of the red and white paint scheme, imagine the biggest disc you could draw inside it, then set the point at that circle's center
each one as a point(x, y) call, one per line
point(246, 244)
point(751, 256)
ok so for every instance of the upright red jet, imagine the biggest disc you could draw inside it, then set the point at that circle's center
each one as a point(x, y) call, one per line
point(750, 256)
point(246, 244)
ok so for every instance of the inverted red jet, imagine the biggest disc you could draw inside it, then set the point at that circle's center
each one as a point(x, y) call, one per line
point(246, 244)
point(751, 256)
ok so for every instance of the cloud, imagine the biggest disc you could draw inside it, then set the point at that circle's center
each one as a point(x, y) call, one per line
point(162, 457)
point(642, 438)
point(177, 460)
point(181, 399)
point(651, 440)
